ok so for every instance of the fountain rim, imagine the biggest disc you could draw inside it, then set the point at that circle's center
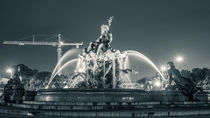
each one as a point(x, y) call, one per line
point(91, 90)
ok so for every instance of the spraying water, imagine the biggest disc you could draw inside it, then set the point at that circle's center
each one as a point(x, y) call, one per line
point(140, 55)
point(62, 67)
point(101, 66)
point(66, 55)
point(76, 81)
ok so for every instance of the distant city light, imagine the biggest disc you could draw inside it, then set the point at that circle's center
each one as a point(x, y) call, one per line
point(179, 58)
point(9, 70)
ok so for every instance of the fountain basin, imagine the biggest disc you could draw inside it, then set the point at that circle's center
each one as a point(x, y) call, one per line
point(112, 95)
point(110, 103)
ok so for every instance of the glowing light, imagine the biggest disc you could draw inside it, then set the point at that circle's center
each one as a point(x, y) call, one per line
point(47, 98)
point(80, 70)
point(9, 70)
point(30, 114)
point(179, 58)
point(163, 68)
point(157, 83)
point(61, 43)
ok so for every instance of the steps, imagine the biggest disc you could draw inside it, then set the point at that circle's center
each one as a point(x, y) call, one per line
point(97, 110)
point(105, 106)
point(118, 103)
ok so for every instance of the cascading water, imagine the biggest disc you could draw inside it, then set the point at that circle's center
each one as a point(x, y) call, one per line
point(62, 67)
point(57, 70)
point(101, 66)
point(141, 56)
point(66, 55)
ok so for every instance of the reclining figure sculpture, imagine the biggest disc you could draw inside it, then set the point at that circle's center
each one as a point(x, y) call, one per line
point(185, 85)
point(14, 89)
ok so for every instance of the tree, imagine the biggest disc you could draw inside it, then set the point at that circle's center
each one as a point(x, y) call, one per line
point(34, 80)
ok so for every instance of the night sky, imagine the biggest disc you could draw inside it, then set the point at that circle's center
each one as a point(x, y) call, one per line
point(160, 29)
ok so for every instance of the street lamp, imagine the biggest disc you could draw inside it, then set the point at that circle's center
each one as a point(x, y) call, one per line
point(179, 59)
point(9, 71)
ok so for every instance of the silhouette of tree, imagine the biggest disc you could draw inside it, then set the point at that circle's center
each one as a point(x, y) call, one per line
point(34, 80)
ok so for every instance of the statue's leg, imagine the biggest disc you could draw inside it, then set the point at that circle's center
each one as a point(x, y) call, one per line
point(170, 81)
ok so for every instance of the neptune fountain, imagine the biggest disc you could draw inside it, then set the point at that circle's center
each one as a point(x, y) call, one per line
point(100, 65)
point(101, 87)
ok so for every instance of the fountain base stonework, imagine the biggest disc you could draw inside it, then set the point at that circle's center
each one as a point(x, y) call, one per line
point(109, 103)
point(113, 95)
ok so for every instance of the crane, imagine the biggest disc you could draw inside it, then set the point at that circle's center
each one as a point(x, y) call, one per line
point(59, 44)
